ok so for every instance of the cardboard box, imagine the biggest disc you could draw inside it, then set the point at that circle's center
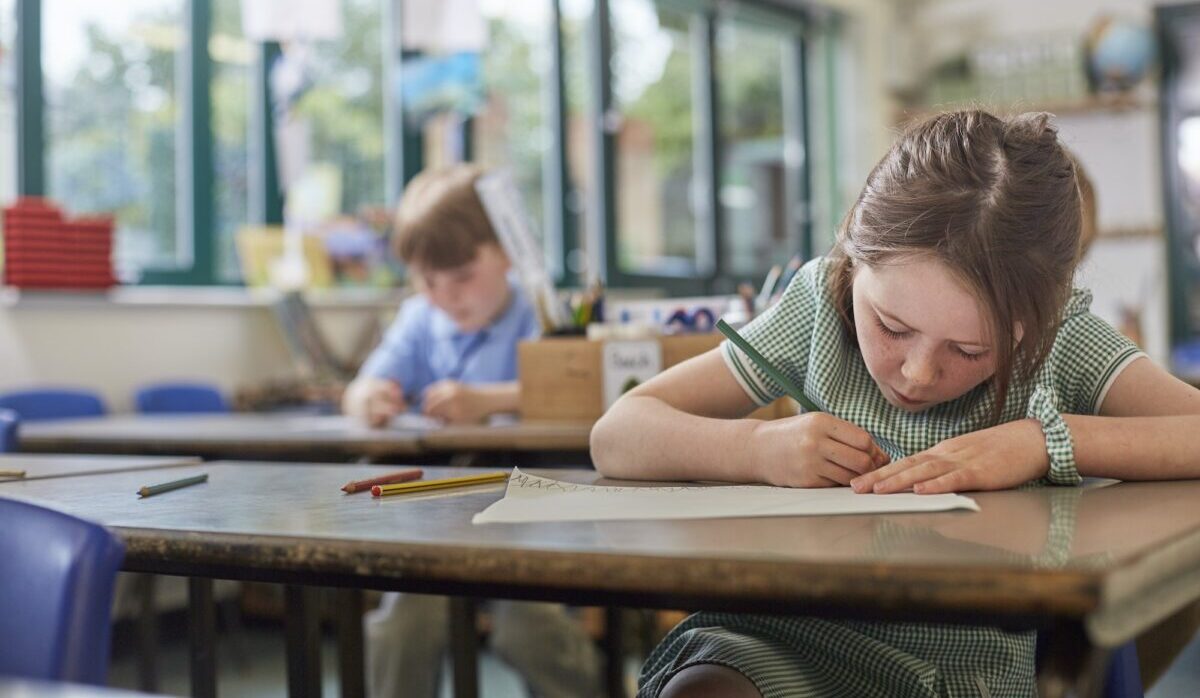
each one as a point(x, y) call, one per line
point(562, 377)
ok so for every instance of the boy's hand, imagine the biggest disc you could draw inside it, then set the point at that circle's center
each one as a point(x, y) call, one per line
point(373, 400)
point(996, 458)
point(455, 403)
point(813, 450)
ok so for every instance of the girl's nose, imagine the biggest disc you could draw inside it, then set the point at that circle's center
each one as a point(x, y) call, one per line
point(919, 369)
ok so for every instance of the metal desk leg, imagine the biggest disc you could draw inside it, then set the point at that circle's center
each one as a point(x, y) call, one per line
point(302, 626)
point(351, 670)
point(147, 632)
point(1071, 665)
point(614, 653)
point(202, 637)
point(464, 648)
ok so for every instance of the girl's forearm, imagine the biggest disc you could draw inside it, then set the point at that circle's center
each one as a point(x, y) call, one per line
point(644, 438)
point(1137, 448)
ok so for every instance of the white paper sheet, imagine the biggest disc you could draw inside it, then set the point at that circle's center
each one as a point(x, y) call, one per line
point(530, 498)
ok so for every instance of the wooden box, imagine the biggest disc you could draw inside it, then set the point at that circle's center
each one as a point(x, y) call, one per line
point(561, 377)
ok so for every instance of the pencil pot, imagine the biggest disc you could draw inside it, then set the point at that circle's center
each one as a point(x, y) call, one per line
point(576, 379)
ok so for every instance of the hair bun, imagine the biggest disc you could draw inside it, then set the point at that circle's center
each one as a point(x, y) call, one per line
point(1034, 127)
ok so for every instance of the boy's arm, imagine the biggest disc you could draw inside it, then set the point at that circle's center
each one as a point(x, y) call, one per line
point(460, 403)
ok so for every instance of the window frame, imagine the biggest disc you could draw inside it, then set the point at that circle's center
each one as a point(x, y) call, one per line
point(403, 149)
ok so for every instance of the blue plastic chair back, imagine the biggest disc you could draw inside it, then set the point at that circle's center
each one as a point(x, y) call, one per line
point(56, 594)
point(40, 405)
point(8, 430)
point(168, 398)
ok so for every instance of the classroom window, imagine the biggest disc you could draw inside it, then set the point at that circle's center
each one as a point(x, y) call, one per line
point(751, 194)
point(112, 120)
point(8, 101)
point(652, 77)
point(344, 106)
point(510, 129)
point(576, 14)
point(232, 60)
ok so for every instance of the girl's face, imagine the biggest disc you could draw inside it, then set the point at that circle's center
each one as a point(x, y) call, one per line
point(923, 335)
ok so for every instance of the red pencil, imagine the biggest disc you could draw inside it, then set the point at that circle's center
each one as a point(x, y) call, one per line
point(401, 476)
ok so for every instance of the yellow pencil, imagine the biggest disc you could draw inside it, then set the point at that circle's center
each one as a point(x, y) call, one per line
point(426, 485)
point(12, 473)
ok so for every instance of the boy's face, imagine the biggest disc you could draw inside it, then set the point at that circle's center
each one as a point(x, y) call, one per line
point(923, 335)
point(474, 294)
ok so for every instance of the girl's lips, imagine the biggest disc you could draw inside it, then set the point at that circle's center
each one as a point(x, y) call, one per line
point(906, 399)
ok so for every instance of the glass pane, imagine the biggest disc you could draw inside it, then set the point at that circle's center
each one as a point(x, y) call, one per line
point(752, 195)
point(576, 16)
point(510, 129)
point(232, 60)
point(344, 105)
point(112, 118)
point(651, 69)
point(8, 101)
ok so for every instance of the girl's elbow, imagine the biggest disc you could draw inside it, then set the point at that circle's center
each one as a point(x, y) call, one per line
point(601, 443)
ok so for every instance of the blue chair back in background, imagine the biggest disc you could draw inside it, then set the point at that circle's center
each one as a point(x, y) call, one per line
point(8, 430)
point(168, 398)
point(56, 594)
point(52, 403)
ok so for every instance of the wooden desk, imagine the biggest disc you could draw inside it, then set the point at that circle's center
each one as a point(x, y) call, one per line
point(516, 436)
point(243, 435)
point(41, 466)
point(1091, 567)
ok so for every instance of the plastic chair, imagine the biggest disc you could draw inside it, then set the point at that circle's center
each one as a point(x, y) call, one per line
point(54, 612)
point(1122, 679)
point(52, 403)
point(8, 430)
point(167, 398)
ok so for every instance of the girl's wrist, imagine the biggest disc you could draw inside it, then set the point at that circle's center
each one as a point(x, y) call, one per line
point(1031, 433)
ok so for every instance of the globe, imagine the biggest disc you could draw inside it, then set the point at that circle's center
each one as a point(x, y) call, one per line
point(1119, 54)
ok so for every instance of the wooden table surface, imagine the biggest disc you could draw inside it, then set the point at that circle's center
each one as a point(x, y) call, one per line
point(39, 466)
point(296, 437)
point(1115, 559)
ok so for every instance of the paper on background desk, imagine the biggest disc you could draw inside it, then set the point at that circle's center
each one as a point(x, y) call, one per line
point(530, 498)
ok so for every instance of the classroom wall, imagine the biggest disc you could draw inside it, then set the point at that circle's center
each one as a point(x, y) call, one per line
point(115, 347)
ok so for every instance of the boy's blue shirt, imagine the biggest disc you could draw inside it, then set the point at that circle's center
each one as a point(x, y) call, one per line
point(424, 346)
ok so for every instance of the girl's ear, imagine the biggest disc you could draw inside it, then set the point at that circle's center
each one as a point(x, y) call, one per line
point(1018, 334)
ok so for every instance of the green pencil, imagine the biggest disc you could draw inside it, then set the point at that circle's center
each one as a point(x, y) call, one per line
point(151, 490)
point(792, 389)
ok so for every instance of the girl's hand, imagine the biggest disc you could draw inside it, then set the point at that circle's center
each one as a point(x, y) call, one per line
point(373, 400)
point(996, 458)
point(812, 450)
point(454, 403)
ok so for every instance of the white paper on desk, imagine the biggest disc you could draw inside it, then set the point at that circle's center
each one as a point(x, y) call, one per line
point(530, 498)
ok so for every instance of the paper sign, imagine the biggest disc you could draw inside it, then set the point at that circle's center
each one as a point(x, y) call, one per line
point(628, 364)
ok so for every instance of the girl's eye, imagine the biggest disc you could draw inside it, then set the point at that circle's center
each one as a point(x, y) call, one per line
point(889, 331)
point(969, 356)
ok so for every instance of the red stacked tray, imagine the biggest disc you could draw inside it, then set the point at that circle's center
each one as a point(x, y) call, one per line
point(42, 249)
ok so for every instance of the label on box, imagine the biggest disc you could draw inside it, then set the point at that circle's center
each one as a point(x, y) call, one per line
point(628, 364)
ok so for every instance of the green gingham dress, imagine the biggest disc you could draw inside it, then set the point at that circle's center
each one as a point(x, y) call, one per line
point(800, 656)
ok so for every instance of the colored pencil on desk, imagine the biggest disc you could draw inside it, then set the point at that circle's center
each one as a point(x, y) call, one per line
point(12, 473)
point(151, 490)
point(389, 479)
point(792, 389)
point(444, 483)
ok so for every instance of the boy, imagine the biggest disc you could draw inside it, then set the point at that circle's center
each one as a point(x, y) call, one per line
point(452, 352)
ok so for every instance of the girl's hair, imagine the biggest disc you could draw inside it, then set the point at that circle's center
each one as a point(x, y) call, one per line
point(440, 223)
point(996, 201)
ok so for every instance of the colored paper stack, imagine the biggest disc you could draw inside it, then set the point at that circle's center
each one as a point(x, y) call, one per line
point(45, 250)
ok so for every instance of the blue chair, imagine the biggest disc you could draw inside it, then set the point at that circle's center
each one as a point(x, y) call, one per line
point(8, 430)
point(175, 398)
point(52, 403)
point(1124, 677)
point(55, 612)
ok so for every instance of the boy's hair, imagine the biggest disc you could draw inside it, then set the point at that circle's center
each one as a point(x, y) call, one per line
point(997, 202)
point(440, 223)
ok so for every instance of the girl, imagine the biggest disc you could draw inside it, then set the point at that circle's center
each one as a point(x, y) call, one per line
point(944, 343)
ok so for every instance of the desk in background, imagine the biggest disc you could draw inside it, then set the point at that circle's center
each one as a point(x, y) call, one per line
point(293, 437)
point(1091, 567)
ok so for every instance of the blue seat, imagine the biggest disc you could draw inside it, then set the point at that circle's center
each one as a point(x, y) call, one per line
point(1124, 677)
point(168, 398)
point(52, 403)
point(56, 594)
point(8, 430)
